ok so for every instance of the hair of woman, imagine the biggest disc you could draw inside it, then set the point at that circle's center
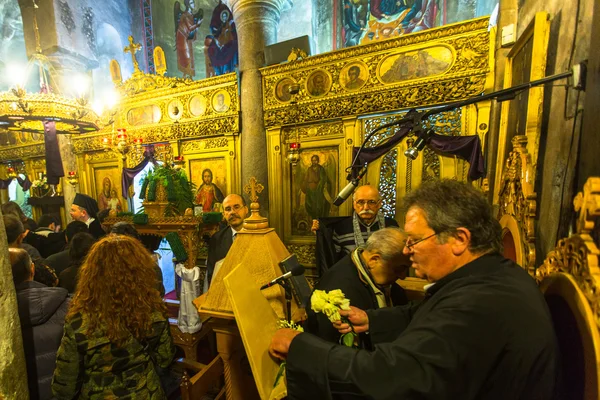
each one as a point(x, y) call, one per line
point(117, 289)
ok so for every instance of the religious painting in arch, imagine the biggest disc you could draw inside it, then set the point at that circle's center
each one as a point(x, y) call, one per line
point(313, 188)
point(221, 101)
point(418, 64)
point(354, 75)
point(368, 21)
point(198, 37)
point(210, 177)
point(107, 186)
point(318, 83)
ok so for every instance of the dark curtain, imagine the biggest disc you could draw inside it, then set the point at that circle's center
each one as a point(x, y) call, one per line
point(130, 173)
point(54, 167)
point(466, 147)
point(25, 183)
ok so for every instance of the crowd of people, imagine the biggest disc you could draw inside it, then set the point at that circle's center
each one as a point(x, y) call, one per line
point(91, 308)
point(482, 331)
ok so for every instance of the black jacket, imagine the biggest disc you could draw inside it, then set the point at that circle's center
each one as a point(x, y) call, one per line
point(483, 332)
point(42, 313)
point(59, 261)
point(218, 247)
point(345, 276)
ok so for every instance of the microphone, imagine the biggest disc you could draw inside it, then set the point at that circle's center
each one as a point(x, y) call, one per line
point(295, 271)
point(419, 145)
point(346, 192)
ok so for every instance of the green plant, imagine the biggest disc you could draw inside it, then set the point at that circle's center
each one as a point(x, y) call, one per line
point(180, 191)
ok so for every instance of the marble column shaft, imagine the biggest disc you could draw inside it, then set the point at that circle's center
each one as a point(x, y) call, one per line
point(13, 371)
point(256, 23)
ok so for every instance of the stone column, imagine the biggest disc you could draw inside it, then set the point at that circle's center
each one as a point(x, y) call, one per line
point(69, 161)
point(13, 372)
point(256, 23)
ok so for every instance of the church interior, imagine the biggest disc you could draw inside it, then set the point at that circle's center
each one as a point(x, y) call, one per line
point(161, 112)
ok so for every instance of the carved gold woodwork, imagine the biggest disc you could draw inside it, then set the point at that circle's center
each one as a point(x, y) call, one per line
point(469, 63)
point(578, 255)
point(571, 272)
point(190, 230)
point(518, 204)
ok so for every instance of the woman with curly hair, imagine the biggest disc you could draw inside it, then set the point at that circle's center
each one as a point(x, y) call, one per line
point(116, 331)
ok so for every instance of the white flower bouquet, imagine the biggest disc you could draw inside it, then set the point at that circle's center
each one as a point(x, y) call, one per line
point(330, 303)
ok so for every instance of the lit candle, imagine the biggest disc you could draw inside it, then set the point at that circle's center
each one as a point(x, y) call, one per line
point(71, 173)
point(294, 146)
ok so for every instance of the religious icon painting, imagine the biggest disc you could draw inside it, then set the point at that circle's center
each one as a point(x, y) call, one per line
point(210, 177)
point(221, 101)
point(318, 83)
point(354, 75)
point(175, 109)
point(107, 186)
point(417, 64)
point(197, 105)
point(144, 115)
point(282, 89)
point(313, 188)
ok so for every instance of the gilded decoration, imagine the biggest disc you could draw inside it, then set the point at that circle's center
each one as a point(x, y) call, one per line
point(22, 152)
point(387, 183)
point(518, 203)
point(292, 133)
point(578, 255)
point(439, 65)
point(199, 145)
point(305, 253)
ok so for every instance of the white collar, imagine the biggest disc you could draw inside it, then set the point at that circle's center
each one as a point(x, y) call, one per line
point(89, 221)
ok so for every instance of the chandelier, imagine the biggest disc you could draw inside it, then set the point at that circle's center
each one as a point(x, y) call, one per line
point(23, 111)
point(120, 143)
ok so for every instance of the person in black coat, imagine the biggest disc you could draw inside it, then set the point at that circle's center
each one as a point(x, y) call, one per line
point(85, 209)
point(483, 330)
point(367, 277)
point(234, 212)
point(78, 249)
point(42, 313)
point(61, 260)
point(338, 236)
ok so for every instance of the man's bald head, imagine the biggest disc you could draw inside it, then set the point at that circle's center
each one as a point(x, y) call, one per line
point(366, 203)
point(234, 211)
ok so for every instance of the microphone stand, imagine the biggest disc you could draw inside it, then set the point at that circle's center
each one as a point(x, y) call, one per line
point(414, 118)
point(288, 298)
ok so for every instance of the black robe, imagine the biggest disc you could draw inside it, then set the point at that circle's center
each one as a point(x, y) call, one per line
point(325, 252)
point(218, 246)
point(345, 276)
point(483, 332)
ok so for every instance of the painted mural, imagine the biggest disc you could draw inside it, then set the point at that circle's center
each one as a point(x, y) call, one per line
point(367, 21)
point(198, 36)
point(12, 41)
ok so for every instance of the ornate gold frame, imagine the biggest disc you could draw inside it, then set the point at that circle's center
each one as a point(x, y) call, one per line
point(90, 162)
point(517, 204)
point(572, 272)
point(538, 32)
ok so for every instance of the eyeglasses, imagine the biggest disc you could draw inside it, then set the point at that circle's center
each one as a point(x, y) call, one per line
point(362, 203)
point(236, 207)
point(410, 242)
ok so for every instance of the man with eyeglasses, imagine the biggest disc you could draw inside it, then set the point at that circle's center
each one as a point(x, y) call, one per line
point(234, 212)
point(483, 330)
point(339, 236)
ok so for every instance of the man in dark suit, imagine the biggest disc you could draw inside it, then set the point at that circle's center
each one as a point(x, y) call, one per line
point(338, 236)
point(234, 212)
point(367, 277)
point(85, 209)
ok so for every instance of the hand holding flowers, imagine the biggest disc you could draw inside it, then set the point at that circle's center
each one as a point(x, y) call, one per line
point(330, 303)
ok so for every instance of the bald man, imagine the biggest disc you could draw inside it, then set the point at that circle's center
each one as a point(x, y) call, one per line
point(234, 212)
point(337, 237)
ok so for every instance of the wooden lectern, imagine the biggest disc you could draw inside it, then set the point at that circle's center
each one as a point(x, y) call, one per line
point(257, 252)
